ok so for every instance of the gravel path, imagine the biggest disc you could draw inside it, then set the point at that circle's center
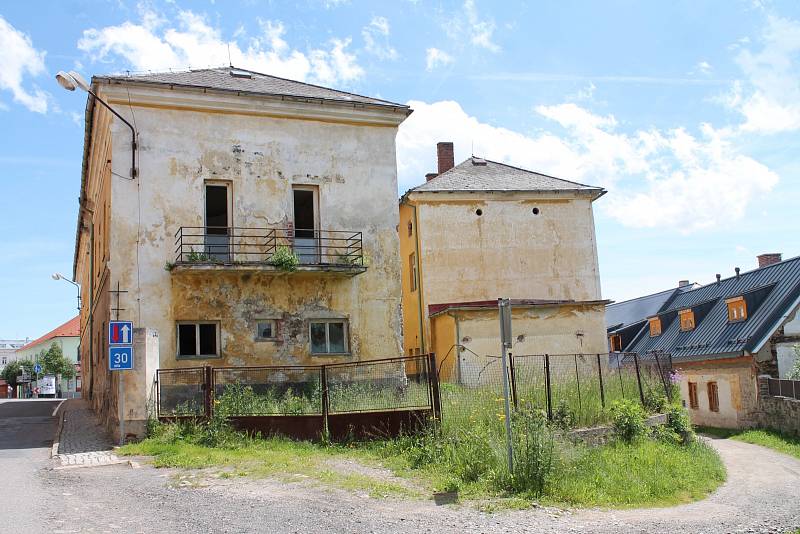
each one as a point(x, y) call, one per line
point(761, 495)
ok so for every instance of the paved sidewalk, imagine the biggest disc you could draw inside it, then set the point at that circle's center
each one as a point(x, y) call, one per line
point(83, 441)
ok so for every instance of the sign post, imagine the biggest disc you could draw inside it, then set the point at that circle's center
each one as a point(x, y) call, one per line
point(504, 306)
point(120, 358)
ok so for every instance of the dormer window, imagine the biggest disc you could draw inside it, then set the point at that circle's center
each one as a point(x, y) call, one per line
point(737, 309)
point(687, 320)
point(655, 326)
point(615, 342)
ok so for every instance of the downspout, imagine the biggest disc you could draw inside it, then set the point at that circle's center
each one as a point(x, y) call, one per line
point(419, 282)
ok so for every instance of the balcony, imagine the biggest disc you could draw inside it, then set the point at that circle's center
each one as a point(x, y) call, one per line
point(270, 250)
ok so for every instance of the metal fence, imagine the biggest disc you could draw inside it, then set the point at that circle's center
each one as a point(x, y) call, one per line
point(357, 399)
point(234, 244)
point(779, 387)
point(574, 390)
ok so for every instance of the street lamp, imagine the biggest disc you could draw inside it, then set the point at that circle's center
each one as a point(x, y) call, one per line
point(72, 80)
point(59, 276)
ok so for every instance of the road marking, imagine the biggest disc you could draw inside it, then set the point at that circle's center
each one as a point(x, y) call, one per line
point(57, 407)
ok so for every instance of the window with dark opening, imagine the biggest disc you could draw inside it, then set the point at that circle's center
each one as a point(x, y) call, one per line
point(217, 240)
point(199, 339)
point(412, 271)
point(266, 329)
point(329, 337)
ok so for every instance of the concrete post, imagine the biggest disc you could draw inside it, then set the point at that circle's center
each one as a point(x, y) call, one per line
point(138, 387)
point(763, 385)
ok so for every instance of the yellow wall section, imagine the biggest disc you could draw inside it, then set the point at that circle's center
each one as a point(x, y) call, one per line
point(444, 341)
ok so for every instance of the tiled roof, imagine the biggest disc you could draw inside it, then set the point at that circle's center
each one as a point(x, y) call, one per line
point(476, 174)
point(71, 328)
point(245, 81)
point(771, 294)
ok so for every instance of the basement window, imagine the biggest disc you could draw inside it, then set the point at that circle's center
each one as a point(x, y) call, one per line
point(266, 330)
point(655, 326)
point(687, 320)
point(737, 309)
point(198, 339)
point(329, 336)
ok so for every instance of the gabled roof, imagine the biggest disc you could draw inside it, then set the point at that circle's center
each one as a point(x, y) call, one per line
point(628, 312)
point(477, 174)
point(233, 79)
point(772, 293)
point(71, 328)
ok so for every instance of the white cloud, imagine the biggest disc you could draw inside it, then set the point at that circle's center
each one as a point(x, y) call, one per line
point(18, 59)
point(769, 98)
point(656, 178)
point(155, 44)
point(703, 67)
point(436, 58)
point(376, 39)
point(468, 25)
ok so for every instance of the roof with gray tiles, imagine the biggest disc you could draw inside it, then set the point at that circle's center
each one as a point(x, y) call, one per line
point(477, 174)
point(771, 293)
point(244, 81)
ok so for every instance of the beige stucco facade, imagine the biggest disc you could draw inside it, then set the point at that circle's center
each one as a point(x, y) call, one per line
point(506, 251)
point(259, 148)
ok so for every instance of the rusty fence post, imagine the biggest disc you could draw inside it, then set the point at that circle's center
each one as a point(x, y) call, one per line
point(665, 382)
point(433, 381)
point(513, 377)
point(638, 377)
point(600, 375)
point(548, 388)
point(208, 401)
point(326, 406)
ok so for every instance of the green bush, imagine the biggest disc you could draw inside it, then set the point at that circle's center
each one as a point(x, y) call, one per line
point(655, 401)
point(628, 420)
point(563, 417)
point(678, 421)
point(534, 453)
point(284, 259)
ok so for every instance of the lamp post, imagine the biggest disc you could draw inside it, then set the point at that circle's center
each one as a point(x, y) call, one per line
point(71, 80)
point(59, 276)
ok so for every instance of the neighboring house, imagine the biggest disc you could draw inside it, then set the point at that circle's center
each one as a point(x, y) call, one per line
point(723, 335)
point(237, 172)
point(67, 337)
point(482, 230)
point(8, 350)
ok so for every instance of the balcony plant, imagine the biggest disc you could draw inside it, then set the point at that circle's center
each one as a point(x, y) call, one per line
point(284, 259)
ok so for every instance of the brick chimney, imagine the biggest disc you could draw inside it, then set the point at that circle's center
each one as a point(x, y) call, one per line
point(430, 176)
point(769, 259)
point(445, 156)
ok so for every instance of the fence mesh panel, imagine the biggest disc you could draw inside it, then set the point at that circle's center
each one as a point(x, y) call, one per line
point(391, 384)
point(268, 391)
point(181, 392)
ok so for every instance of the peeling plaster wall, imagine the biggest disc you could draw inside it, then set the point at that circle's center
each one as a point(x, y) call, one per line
point(354, 167)
point(736, 386)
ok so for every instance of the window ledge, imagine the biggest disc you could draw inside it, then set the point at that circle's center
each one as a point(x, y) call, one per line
point(199, 357)
point(323, 354)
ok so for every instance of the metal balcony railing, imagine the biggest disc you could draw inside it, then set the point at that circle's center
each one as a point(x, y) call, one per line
point(234, 245)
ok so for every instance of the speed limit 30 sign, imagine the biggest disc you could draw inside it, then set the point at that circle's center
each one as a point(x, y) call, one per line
point(120, 349)
point(120, 358)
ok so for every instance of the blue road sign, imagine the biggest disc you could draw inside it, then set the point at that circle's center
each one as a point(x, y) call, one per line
point(120, 332)
point(120, 358)
point(37, 368)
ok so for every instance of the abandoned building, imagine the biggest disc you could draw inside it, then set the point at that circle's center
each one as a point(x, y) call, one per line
point(482, 230)
point(721, 336)
point(238, 219)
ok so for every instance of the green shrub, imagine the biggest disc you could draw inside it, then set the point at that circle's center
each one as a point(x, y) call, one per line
point(628, 420)
point(534, 453)
point(678, 421)
point(284, 259)
point(655, 401)
point(563, 417)
point(197, 257)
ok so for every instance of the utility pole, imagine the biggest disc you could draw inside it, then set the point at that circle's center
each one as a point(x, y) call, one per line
point(504, 307)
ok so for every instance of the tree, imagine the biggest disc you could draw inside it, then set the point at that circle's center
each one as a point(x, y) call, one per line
point(794, 374)
point(53, 362)
point(14, 369)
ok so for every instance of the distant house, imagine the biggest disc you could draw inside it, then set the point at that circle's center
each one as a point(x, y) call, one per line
point(8, 350)
point(721, 337)
point(67, 337)
point(481, 230)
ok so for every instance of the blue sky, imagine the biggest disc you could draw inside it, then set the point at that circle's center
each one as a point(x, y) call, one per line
point(687, 112)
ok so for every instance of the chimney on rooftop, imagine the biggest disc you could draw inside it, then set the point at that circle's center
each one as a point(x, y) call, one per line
point(430, 176)
point(683, 283)
point(769, 259)
point(445, 156)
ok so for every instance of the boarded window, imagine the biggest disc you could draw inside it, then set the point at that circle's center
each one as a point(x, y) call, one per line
point(737, 309)
point(198, 339)
point(693, 403)
point(615, 342)
point(713, 397)
point(655, 326)
point(687, 320)
point(412, 271)
point(329, 336)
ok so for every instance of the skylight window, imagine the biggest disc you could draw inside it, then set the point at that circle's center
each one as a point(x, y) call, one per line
point(236, 73)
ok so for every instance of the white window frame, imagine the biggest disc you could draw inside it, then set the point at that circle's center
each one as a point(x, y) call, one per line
point(274, 329)
point(197, 354)
point(327, 322)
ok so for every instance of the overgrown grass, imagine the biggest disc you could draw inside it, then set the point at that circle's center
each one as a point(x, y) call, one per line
point(766, 438)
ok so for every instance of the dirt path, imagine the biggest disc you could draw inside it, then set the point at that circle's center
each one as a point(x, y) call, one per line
point(761, 495)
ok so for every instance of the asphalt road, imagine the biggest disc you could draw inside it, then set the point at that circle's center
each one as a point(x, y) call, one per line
point(27, 428)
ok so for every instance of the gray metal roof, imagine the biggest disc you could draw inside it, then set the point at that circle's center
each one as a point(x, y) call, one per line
point(771, 293)
point(477, 174)
point(621, 314)
point(245, 81)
